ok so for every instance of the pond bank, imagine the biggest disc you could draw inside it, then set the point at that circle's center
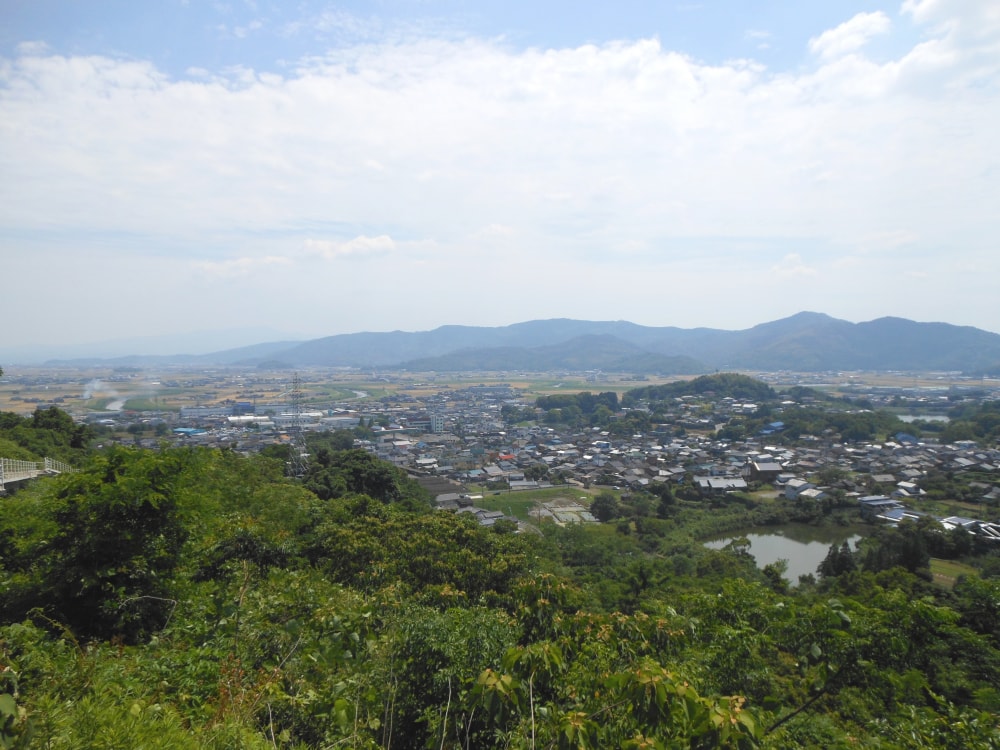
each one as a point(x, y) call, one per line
point(803, 546)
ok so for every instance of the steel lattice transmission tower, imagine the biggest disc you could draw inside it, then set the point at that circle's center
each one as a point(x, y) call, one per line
point(299, 458)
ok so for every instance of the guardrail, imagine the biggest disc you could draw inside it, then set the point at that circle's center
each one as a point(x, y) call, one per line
point(57, 467)
point(15, 470)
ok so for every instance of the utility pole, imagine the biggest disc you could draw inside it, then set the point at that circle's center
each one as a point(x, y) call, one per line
point(299, 458)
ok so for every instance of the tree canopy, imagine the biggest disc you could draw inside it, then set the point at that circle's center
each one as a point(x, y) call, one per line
point(48, 433)
point(722, 385)
point(199, 598)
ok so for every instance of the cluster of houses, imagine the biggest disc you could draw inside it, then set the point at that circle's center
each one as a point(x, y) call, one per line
point(461, 434)
point(591, 458)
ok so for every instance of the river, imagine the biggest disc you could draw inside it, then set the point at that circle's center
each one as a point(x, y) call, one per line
point(804, 547)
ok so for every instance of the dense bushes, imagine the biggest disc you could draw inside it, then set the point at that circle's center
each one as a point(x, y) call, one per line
point(198, 598)
point(49, 433)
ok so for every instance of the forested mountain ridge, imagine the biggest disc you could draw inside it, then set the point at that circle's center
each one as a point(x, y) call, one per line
point(804, 342)
point(588, 352)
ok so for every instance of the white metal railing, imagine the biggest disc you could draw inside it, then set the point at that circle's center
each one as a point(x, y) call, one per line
point(13, 466)
point(13, 470)
point(56, 467)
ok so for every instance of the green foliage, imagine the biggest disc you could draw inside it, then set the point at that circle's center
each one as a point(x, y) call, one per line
point(14, 731)
point(577, 409)
point(943, 486)
point(978, 602)
point(536, 472)
point(850, 423)
point(336, 440)
point(905, 546)
point(13, 450)
point(942, 726)
point(631, 423)
point(545, 694)
point(48, 433)
point(440, 556)
point(512, 414)
point(245, 544)
point(433, 660)
point(334, 474)
point(605, 507)
point(839, 560)
point(117, 535)
point(979, 422)
point(721, 385)
point(258, 613)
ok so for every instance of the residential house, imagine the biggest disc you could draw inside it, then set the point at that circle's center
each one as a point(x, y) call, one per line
point(795, 487)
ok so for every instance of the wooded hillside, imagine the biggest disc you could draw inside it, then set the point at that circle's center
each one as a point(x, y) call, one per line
point(197, 598)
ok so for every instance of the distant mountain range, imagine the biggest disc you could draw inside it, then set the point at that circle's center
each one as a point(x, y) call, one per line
point(804, 342)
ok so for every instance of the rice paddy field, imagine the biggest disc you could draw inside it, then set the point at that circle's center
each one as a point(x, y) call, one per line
point(80, 390)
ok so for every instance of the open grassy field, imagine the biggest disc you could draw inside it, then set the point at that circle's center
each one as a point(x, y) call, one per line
point(518, 504)
point(946, 572)
point(959, 508)
point(767, 495)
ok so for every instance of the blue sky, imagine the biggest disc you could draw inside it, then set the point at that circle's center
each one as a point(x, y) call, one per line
point(179, 35)
point(270, 36)
point(312, 168)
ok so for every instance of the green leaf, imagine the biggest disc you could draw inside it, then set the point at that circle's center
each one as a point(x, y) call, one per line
point(8, 706)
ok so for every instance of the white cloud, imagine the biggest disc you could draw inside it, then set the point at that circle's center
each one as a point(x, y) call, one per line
point(496, 231)
point(240, 266)
point(359, 247)
point(242, 32)
point(792, 265)
point(628, 171)
point(850, 36)
point(759, 37)
point(962, 48)
point(335, 22)
point(890, 240)
point(32, 48)
point(974, 17)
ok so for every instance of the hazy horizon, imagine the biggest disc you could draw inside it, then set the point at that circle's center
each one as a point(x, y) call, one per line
point(209, 342)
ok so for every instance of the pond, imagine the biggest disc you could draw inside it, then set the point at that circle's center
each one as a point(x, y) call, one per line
point(804, 547)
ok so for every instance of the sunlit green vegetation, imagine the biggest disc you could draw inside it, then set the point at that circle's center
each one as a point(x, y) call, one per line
point(47, 433)
point(520, 504)
point(198, 598)
point(947, 572)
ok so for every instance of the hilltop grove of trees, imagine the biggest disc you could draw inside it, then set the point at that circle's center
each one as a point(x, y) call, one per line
point(579, 409)
point(733, 385)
